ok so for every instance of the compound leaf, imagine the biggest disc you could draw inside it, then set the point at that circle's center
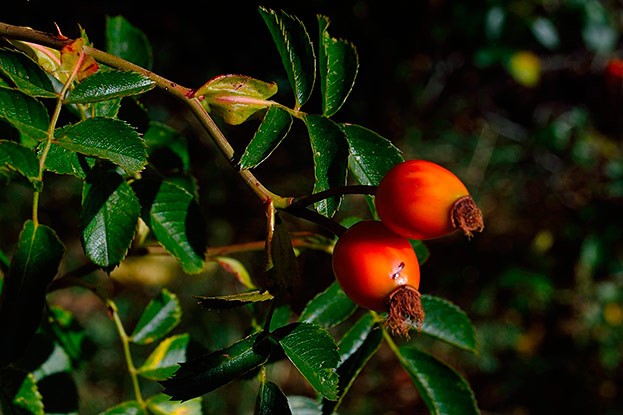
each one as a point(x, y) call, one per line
point(329, 308)
point(128, 42)
point(106, 138)
point(442, 389)
point(313, 352)
point(25, 74)
point(339, 64)
point(28, 115)
point(330, 155)
point(165, 359)
point(448, 322)
point(160, 316)
point(174, 216)
point(271, 400)
point(109, 84)
point(274, 127)
point(109, 217)
point(296, 50)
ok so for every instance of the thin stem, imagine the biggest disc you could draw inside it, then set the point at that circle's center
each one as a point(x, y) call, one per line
point(335, 191)
point(50, 134)
point(315, 217)
point(125, 340)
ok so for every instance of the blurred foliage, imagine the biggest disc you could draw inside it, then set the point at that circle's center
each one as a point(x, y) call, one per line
point(512, 96)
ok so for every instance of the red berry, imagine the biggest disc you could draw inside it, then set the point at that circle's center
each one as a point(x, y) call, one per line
point(419, 199)
point(379, 270)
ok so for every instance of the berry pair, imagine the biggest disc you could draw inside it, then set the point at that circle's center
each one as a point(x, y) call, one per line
point(374, 262)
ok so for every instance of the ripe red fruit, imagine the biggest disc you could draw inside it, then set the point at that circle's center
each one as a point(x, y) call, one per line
point(379, 270)
point(419, 199)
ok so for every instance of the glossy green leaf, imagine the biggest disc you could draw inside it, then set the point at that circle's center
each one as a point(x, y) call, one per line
point(28, 115)
point(19, 393)
point(329, 308)
point(160, 316)
point(448, 322)
point(271, 400)
point(330, 155)
point(234, 300)
point(63, 161)
point(162, 405)
point(338, 63)
point(274, 127)
point(106, 138)
point(125, 408)
point(166, 358)
point(356, 348)
point(235, 97)
point(109, 84)
point(25, 74)
point(282, 266)
point(313, 352)
point(33, 266)
point(109, 217)
point(167, 148)
point(204, 374)
point(296, 50)
point(175, 218)
point(370, 155)
point(128, 42)
point(17, 158)
point(442, 389)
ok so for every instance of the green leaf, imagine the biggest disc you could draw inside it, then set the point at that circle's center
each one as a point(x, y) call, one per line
point(28, 115)
point(34, 265)
point(329, 308)
point(449, 323)
point(296, 50)
point(109, 217)
point(356, 348)
point(25, 74)
point(160, 316)
point(167, 148)
point(234, 300)
point(282, 265)
point(213, 370)
point(235, 97)
point(128, 42)
point(165, 359)
point(106, 138)
point(175, 218)
point(371, 155)
point(313, 352)
point(109, 84)
point(271, 400)
point(330, 154)
point(23, 160)
point(63, 161)
point(162, 405)
point(125, 408)
point(271, 132)
point(442, 389)
point(339, 63)
point(19, 394)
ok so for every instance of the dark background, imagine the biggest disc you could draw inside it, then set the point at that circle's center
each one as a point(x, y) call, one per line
point(542, 283)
